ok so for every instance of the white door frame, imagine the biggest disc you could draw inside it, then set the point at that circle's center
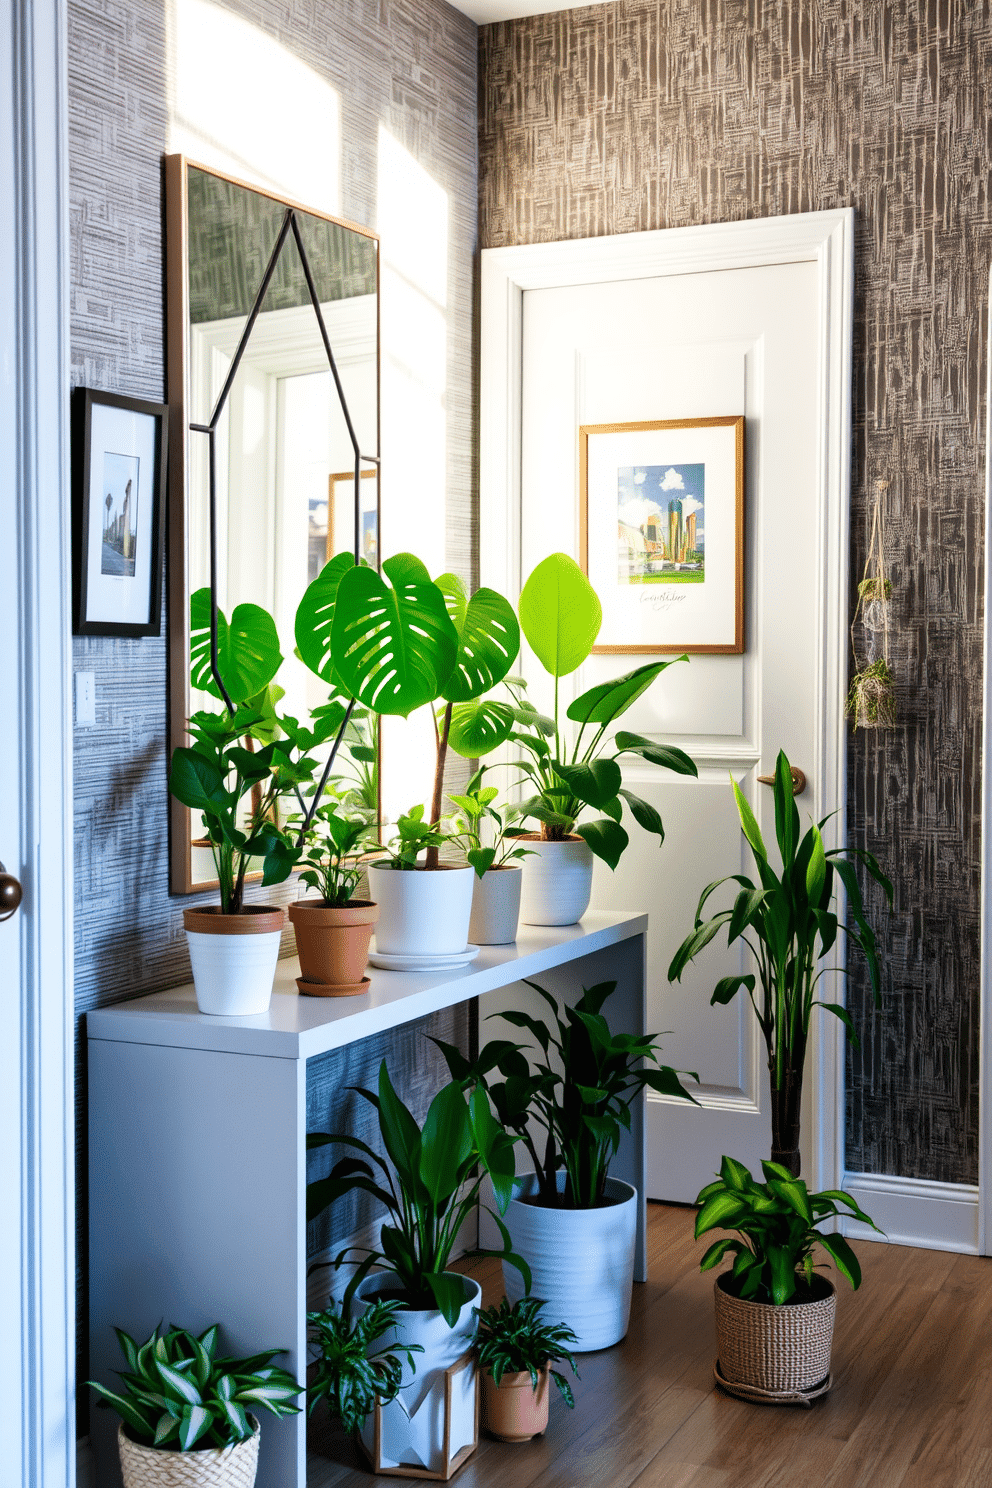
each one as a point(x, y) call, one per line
point(823, 238)
point(985, 1055)
point(37, 1412)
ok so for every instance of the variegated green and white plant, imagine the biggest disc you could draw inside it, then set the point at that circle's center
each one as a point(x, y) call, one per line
point(179, 1395)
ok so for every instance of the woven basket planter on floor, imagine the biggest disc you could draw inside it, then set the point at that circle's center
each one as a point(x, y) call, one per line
point(778, 1350)
point(214, 1467)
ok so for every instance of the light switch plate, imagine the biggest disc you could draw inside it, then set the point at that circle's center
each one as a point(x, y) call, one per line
point(85, 700)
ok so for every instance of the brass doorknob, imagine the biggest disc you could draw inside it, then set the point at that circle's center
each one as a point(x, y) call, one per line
point(798, 780)
point(10, 894)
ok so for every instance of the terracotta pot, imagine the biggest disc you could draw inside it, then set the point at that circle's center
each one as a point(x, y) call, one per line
point(333, 944)
point(557, 882)
point(211, 1467)
point(234, 957)
point(513, 1410)
point(495, 906)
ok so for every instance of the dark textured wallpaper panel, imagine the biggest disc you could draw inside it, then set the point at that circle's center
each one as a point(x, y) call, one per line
point(644, 114)
point(410, 66)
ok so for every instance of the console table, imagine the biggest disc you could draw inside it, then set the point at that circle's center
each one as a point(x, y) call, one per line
point(197, 1147)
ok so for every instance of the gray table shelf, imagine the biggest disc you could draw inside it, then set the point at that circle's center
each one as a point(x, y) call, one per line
point(197, 1158)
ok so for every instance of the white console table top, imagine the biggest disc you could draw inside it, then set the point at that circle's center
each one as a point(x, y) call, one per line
point(298, 1027)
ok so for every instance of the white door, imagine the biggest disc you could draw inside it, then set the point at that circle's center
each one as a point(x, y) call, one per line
point(37, 1424)
point(695, 340)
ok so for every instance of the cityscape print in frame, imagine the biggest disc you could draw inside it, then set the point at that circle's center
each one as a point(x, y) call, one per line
point(661, 522)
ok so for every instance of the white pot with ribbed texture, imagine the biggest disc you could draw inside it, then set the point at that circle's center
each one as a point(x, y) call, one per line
point(581, 1260)
point(422, 911)
point(557, 882)
point(495, 906)
point(413, 1425)
point(234, 958)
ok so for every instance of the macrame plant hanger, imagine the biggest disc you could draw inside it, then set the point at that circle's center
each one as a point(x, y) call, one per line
point(290, 224)
point(871, 702)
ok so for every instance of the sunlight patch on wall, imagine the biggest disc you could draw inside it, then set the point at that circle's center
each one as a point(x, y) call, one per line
point(412, 221)
point(245, 105)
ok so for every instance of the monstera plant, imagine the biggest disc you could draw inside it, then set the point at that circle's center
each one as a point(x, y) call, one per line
point(396, 642)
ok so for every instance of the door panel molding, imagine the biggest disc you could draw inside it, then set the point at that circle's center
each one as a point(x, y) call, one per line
point(826, 240)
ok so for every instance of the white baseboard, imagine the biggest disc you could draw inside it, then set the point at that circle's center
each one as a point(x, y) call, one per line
point(912, 1211)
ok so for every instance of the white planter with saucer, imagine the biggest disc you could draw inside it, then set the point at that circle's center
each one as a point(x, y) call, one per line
point(422, 911)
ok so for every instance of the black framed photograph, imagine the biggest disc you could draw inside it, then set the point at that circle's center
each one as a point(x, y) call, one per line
point(120, 448)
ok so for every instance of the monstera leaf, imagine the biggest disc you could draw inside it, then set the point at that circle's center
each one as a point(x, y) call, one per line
point(393, 642)
point(248, 652)
point(480, 727)
point(560, 614)
point(488, 639)
point(315, 617)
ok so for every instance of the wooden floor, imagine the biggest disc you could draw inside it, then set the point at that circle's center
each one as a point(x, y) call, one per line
point(911, 1405)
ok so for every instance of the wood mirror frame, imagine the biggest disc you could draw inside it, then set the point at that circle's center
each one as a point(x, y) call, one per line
point(355, 342)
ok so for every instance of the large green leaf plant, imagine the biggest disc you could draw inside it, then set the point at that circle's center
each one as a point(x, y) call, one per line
point(398, 641)
point(571, 772)
point(245, 758)
point(429, 1186)
point(788, 922)
point(569, 1101)
point(776, 1222)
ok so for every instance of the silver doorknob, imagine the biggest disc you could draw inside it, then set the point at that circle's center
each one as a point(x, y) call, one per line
point(10, 894)
point(798, 780)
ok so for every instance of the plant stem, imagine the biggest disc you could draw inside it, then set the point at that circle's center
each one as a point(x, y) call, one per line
point(442, 750)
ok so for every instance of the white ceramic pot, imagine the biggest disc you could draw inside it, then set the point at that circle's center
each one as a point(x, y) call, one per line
point(557, 882)
point(421, 912)
point(581, 1260)
point(413, 1424)
point(495, 906)
point(234, 958)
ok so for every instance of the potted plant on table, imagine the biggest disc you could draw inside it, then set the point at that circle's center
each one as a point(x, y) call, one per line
point(333, 930)
point(429, 1186)
point(774, 1311)
point(572, 1222)
point(496, 890)
point(516, 1348)
point(235, 772)
point(560, 616)
point(185, 1412)
point(396, 641)
point(788, 922)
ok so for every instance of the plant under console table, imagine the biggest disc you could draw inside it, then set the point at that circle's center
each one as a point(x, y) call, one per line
point(197, 1148)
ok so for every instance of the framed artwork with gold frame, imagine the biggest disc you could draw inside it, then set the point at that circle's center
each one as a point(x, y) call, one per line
point(661, 533)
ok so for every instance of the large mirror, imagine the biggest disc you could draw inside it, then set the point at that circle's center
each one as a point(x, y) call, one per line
point(285, 464)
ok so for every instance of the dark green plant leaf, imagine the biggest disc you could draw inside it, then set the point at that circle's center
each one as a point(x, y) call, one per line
point(606, 838)
point(607, 700)
point(248, 652)
point(645, 814)
point(480, 727)
point(595, 783)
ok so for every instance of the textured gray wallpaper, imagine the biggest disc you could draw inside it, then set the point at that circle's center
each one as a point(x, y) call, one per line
point(662, 113)
point(410, 65)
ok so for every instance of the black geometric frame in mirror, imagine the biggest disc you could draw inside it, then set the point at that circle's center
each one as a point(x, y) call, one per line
point(274, 386)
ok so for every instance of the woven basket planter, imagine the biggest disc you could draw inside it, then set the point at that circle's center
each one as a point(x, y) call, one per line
point(214, 1467)
point(778, 1350)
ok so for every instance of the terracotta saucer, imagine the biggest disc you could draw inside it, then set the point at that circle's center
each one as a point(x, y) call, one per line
point(346, 989)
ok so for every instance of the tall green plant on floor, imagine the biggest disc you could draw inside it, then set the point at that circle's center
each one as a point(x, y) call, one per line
point(560, 616)
point(788, 922)
point(578, 1097)
point(397, 641)
point(429, 1187)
